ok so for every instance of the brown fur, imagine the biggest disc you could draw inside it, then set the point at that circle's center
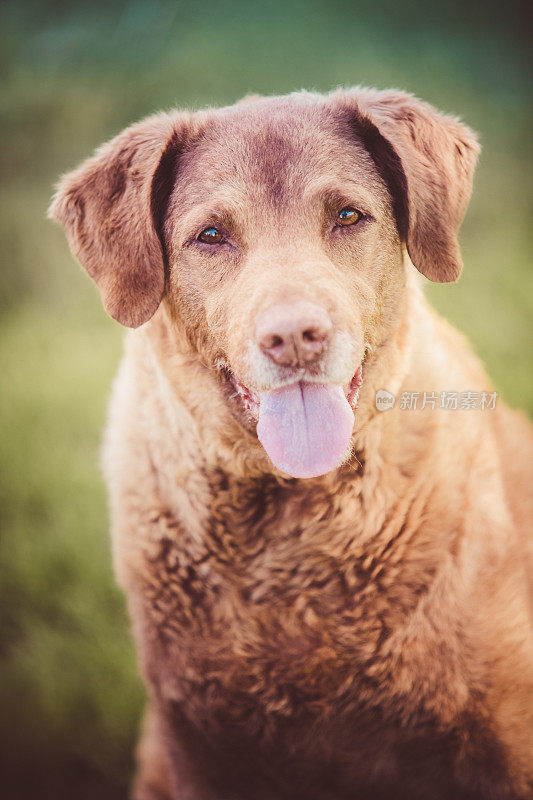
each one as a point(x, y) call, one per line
point(366, 634)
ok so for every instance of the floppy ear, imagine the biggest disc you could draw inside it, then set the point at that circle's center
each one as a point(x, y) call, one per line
point(427, 160)
point(112, 208)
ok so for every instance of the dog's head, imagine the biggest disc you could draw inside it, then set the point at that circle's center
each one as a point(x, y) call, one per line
point(274, 232)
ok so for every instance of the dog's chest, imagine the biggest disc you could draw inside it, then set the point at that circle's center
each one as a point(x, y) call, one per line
point(274, 608)
point(269, 634)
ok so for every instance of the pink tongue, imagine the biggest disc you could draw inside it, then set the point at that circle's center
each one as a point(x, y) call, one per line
point(305, 428)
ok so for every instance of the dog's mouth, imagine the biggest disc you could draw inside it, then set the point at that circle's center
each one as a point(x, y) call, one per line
point(250, 400)
point(304, 426)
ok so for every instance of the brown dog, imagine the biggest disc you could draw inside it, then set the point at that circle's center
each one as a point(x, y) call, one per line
point(323, 609)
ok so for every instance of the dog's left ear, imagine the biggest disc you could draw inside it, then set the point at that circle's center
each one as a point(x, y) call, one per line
point(427, 160)
point(112, 207)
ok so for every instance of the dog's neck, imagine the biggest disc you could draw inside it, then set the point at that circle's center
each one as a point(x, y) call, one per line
point(371, 514)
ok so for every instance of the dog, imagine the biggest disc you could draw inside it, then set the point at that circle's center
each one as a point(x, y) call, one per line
point(320, 509)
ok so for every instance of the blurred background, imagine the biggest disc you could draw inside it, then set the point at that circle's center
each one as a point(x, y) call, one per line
point(72, 75)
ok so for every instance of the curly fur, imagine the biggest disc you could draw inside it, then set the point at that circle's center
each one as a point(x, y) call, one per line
point(366, 634)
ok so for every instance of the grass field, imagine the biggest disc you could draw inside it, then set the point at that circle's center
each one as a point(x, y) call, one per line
point(73, 74)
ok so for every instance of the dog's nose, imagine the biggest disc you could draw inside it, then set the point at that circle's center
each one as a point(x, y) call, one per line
point(293, 335)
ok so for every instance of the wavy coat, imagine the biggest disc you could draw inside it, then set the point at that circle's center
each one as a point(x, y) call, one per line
point(364, 634)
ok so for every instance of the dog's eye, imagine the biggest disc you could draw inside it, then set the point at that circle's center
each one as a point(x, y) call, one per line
point(348, 216)
point(210, 236)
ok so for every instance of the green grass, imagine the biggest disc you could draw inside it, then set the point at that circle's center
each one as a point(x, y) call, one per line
point(73, 75)
point(69, 691)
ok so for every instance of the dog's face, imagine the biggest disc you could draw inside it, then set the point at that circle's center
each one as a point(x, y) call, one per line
point(274, 231)
point(284, 257)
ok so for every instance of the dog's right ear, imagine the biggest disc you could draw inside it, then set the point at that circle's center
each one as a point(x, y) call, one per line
point(112, 206)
